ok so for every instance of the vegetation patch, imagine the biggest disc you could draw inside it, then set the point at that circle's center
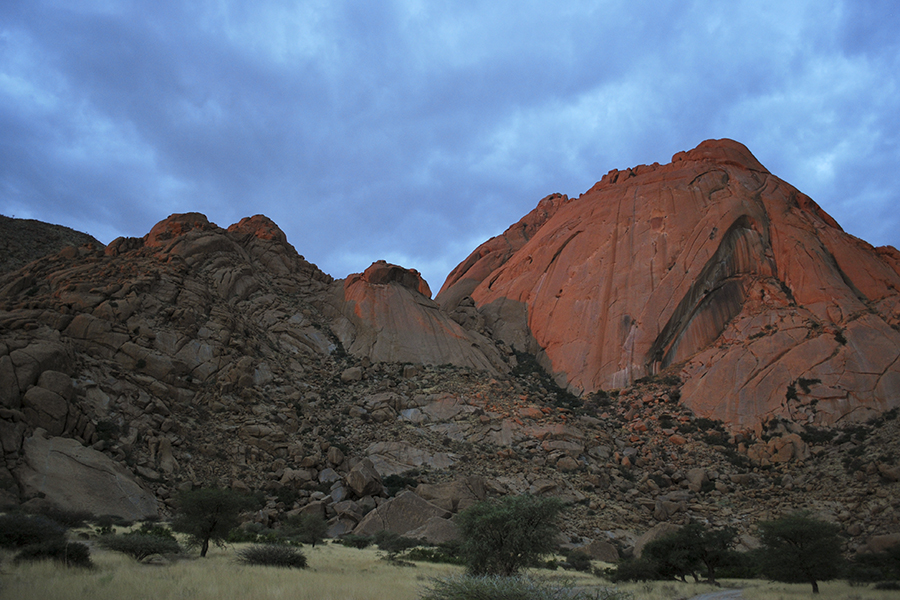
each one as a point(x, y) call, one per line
point(268, 555)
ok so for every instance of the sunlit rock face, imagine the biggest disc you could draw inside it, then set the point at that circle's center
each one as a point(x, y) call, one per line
point(710, 265)
point(387, 315)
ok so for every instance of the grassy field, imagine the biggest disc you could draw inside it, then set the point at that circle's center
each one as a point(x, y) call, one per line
point(335, 572)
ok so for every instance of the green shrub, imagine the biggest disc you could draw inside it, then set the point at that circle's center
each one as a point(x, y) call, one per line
point(448, 552)
point(577, 560)
point(394, 483)
point(154, 529)
point(18, 530)
point(393, 543)
point(140, 545)
point(268, 555)
point(356, 541)
point(71, 554)
point(497, 587)
point(640, 569)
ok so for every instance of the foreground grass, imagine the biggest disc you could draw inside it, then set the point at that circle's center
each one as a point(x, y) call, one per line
point(756, 590)
point(335, 572)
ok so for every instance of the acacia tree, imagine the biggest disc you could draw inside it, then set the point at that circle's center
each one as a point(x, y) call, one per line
point(690, 550)
point(500, 537)
point(800, 549)
point(208, 514)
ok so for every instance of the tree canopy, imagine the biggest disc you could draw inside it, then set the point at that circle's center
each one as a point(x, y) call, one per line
point(208, 514)
point(500, 537)
point(800, 549)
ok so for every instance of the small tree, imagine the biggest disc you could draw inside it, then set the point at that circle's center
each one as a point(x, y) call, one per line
point(311, 529)
point(800, 549)
point(500, 537)
point(208, 514)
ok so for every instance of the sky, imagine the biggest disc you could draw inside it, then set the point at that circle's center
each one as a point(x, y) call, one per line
point(413, 131)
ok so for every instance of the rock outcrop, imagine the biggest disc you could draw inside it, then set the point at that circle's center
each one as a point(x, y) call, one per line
point(74, 477)
point(386, 314)
point(710, 265)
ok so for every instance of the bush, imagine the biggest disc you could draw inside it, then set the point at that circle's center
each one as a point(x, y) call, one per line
point(17, 530)
point(495, 587)
point(639, 569)
point(577, 560)
point(273, 556)
point(356, 541)
point(500, 537)
point(442, 554)
point(393, 543)
point(140, 545)
point(71, 554)
point(154, 529)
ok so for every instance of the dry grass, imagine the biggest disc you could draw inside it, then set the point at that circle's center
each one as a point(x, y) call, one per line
point(335, 572)
point(756, 590)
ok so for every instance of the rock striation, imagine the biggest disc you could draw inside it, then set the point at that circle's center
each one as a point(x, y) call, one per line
point(709, 265)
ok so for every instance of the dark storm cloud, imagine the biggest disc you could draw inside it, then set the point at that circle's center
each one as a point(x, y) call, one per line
point(412, 132)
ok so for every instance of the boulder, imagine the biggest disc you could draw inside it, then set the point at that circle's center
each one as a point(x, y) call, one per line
point(45, 409)
point(602, 551)
point(435, 531)
point(882, 543)
point(74, 477)
point(364, 480)
point(455, 495)
point(403, 513)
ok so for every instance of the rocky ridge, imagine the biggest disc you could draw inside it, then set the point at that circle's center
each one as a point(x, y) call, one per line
point(200, 355)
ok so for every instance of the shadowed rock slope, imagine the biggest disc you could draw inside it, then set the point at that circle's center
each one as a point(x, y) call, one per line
point(710, 264)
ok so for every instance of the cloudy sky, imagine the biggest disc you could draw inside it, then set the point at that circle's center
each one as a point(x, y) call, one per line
point(411, 130)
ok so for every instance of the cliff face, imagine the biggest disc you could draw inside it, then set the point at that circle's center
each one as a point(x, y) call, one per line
point(711, 265)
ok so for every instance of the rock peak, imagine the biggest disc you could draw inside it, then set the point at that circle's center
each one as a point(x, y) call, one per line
point(259, 226)
point(382, 272)
point(724, 151)
point(176, 225)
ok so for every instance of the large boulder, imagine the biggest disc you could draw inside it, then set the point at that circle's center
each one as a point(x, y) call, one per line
point(710, 262)
point(401, 514)
point(454, 495)
point(75, 477)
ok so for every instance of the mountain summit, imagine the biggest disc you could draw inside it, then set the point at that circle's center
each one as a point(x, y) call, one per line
point(709, 266)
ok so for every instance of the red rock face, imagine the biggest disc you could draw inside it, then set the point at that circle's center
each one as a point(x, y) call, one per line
point(386, 314)
point(709, 264)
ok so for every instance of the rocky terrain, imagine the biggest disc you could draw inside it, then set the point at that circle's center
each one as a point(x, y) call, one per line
point(648, 363)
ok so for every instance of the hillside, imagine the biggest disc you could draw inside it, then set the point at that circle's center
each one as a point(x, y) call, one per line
point(202, 355)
